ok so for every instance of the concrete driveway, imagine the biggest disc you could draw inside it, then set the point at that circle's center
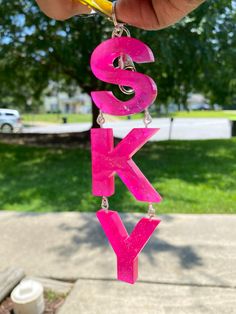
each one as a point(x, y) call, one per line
point(188, 266)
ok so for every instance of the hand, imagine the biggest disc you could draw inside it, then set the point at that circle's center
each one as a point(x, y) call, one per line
point(62, 9)
point(154, 14)
point(146, 14)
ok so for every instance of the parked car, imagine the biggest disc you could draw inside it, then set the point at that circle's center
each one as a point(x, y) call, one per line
point(199, 107)
point(10, 121)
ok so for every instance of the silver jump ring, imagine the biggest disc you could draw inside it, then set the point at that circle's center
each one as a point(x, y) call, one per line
point(100, 119)
point(151, 211)
point(125, 89)
point(113, 14)
point(126, 63)
point(119, 28)
point(147, 118)
point(105, 203)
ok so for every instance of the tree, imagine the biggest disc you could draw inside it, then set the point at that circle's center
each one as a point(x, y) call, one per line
point(197, 54)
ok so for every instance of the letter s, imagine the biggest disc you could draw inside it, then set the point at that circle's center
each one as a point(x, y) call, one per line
point(102, 67)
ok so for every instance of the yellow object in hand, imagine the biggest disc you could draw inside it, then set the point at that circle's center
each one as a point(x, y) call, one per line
point(102, 6)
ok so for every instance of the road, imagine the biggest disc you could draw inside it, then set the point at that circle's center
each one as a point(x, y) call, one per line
point(186, 129)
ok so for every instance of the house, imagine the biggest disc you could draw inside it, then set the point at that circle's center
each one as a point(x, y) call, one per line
point(60, 101)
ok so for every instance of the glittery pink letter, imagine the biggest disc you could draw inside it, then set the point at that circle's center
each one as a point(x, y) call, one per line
point(126, 247)
point(102, 66)
point(107, 160)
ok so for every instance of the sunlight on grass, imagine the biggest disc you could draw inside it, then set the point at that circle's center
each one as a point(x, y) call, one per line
point(192, 177)
point(56, 118)
point(80, 118)
point(227, 114)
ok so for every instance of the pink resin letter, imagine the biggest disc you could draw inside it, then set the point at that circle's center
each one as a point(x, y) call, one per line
point(126, 247)
point(107, 160)
point(102, 66)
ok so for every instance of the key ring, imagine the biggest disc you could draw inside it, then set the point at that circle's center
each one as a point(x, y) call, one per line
point(125, 62)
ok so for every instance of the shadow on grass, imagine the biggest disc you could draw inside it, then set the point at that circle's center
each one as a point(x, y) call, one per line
point(42, 179)
point(191, 161)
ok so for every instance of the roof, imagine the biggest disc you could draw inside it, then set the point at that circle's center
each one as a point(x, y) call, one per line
point(10, 111)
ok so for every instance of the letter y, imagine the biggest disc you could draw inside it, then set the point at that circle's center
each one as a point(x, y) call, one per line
point(126, 247)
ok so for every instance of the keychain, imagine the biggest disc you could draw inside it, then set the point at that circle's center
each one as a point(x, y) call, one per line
point(108, 160)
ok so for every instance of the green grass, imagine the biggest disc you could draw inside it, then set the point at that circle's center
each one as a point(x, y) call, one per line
point(56, 118)
point(76, 118)
point(52, 296)
point(71, 118)
point(230, 114)
point(192, 176)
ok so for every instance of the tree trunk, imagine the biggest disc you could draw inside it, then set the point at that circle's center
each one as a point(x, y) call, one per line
point(95, 109)
point(95, 113)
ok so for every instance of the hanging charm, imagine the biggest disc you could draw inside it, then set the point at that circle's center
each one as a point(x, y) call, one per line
point(102, 65)
point(108, 160)
point(126, 247)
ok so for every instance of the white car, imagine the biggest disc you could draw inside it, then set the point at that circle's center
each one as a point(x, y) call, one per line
point(10, 121)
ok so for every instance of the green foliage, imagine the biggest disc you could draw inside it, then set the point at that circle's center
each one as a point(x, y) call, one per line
point(197, 54)
point(193, 177)
point(52, 296)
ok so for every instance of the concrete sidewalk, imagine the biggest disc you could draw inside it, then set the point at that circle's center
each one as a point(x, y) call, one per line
point(99, 297)
point(190, 260)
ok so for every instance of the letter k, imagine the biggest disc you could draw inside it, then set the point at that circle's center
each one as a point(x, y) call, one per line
point(107, 160)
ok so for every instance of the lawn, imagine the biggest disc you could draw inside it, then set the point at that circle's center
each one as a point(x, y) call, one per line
point(56, 118)
point(192, 176)
point(227, 114)
point(77, 118)
point(71, 118)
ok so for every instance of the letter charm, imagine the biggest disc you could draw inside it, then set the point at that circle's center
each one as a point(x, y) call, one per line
point(102, 67)
point(107, 160)
point(126, 248)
